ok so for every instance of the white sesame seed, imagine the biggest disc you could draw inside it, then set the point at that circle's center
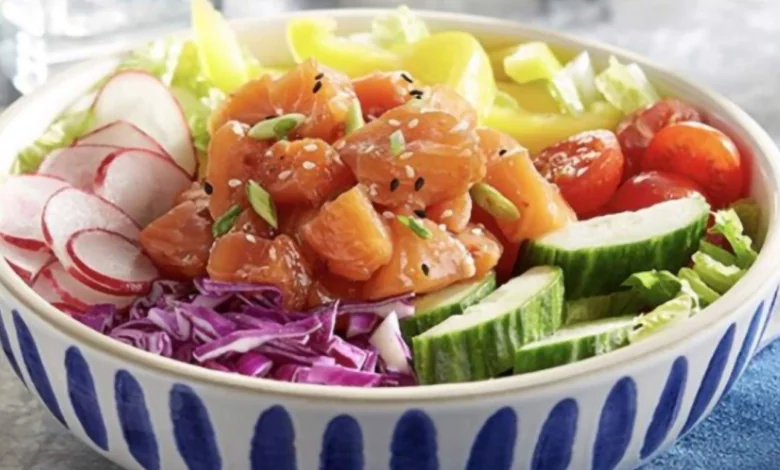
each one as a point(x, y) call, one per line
point(413, 123)
point(251, 238)
point(340, 144)
point(310, 147)
point(443, 227)
point(409, 171)
point(272, 254)
point(394, 122)
point(405, 156)
point(446, 214)
point(234, 183)
point(388, 215)
point(307, 165)
point(269, 154)
point(369, 149)
point(285, 174)
point(476, 231)
point(373, 191)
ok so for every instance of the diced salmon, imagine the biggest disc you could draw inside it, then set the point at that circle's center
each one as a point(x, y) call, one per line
point(350, 235)
point(178, 242)
point(454, 213)
point(439, 159)
point(249, 104)
point(420, 264)
point(249, 222)
point(291, 222)
point(242, 257)
point(484, 248)
point(445, 99)
point(510, 250)
point(380, 92)
point(511, 172)
point(194, 193)
point(329, 287)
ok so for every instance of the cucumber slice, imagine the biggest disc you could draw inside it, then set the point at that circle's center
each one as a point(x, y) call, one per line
point(597, 255)
point(599, 307)
point(481, 343)
point(434, 308)
point(706, 294)
point(531, 61)
point(574, 343)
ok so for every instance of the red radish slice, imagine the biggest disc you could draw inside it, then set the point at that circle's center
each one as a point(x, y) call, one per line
point(71, 210)
point(44, 287)
point(79, 294)
point(112, 260)
point(121, 134)
point(22, 201)
point(141, 183)
point(26, 263)
point(76, 165)
point(144, 101)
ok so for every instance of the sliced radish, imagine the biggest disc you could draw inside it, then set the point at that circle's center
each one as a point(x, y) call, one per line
point(44, 287)
point(112, 260)
point(26, 263)
point(23, 198)
point(71, 210)
point(144, 101)
point(79, 294)
point(121, 134)
point(76, 165)
point(141, 183)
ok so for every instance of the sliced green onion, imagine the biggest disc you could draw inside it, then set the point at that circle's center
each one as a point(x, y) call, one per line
point(354, 118)
point(226, 221)
point(493, 202)
point(625, 87)
point(397, 143)
point(262, 203)
point(276, 128)
point(415, 226)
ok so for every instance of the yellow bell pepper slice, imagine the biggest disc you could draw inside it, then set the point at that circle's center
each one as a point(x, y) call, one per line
point(221, 55)
point(311, 38)
point(537, 131)
point(533, 97)
point(455, 59)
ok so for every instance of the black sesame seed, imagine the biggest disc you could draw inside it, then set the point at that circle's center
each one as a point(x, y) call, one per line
point(418, 184)
point(319, 76)
point(420, 213)
point(416, 93)
point(407, 78)
point(394, 184)
point(425, 269)
point(208, 188)
point(317, 87)
point(501, 152)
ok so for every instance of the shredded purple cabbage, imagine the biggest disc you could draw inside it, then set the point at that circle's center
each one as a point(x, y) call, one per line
point(243, 329)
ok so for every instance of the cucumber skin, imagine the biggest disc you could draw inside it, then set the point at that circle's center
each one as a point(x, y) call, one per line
point(598, 307)
point(533, 359)
point(423, 321)
point(598, 271)
point(488, 350)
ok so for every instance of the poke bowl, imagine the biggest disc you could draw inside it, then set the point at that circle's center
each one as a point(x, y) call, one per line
point(407, 240)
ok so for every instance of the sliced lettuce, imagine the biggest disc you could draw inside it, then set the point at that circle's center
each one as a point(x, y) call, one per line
point(67, 128)
point(625, 86)
point(400, 27)
point(666, 315)
point(706, 294)
point(716, 275)
point(728, 224)
point(717, 253)
point(750, 215)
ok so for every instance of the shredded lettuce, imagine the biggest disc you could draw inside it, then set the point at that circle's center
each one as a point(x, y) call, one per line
point(564, 91)
point(666, 315)
point(716, 275)
point(400, 27)
point(67, 128)
point(750, 215)
point(706, 295)
point(717, 253)
point(625, 86)
point(727, 223)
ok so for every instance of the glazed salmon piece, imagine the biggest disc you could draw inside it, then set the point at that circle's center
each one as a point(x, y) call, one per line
point(511, 172)
point(302, 172)
point(420, 265)
point(329, 287)
point(484, 248)
point(291, 222)
point(242, 257)
point(249, 222)
point(350, 236)
point(509, 250)
point(454, 213)
point(194, 193)
point(178, 242)
point(445, 99)
point(380, 92)
point(232, 158)
point(249, 104)
point(438, 160)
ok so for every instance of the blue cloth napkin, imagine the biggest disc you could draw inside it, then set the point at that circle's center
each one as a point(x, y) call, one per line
point(743, 432)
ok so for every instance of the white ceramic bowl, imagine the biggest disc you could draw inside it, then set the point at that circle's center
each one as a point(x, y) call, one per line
point(613, 411)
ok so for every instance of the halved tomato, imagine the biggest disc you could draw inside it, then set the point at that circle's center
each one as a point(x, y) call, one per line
point(650, 188)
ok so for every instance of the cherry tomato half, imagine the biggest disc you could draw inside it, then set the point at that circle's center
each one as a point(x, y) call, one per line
point(636, 130)
point(587, 167)
point(650, 188)
point(703, 154)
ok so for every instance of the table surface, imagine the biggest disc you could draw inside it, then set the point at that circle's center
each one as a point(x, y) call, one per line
point(729, 45)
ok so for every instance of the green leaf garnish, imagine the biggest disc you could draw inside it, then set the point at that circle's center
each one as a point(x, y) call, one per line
point(276, 128)
point(354, 118)
point(397, 143)
point(493, 202)
point(262, 203)
point(727, 223)
point(415, 226)
point(223, 224)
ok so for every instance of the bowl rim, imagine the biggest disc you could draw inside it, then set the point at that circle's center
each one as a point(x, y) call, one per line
point(760, 275)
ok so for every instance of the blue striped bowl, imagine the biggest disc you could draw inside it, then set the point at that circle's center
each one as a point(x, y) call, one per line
point(613, 411)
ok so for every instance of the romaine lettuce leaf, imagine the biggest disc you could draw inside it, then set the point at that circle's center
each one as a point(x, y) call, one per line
point(706, 295)
point(666, 315)
point(716, 275)
point(727, 223)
